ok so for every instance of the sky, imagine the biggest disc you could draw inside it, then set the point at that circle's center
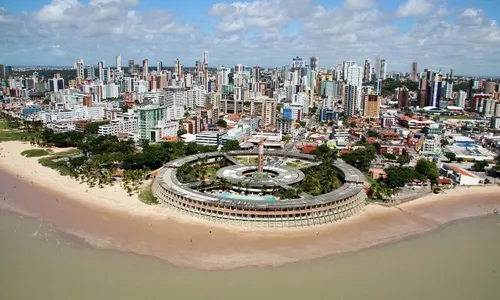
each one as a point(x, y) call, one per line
point(459, 34)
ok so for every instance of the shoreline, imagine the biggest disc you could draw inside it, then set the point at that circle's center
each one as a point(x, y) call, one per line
point(103, 218)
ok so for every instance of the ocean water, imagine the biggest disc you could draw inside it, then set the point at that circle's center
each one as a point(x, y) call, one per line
point(461, 261)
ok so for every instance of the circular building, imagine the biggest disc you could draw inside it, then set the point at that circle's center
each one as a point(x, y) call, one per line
point(242, 189)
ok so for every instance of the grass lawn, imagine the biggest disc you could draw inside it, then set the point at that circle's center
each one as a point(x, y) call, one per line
point(146, 195)
point(295, 164)
point(457, 117)
point(249, 160)
point(7, 135)
point(58, 161)
point(35, 153)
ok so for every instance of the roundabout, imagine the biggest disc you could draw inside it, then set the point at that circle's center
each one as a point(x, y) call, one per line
point(275, 192)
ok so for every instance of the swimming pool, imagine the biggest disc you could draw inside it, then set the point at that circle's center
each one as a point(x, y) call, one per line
point(251, 198)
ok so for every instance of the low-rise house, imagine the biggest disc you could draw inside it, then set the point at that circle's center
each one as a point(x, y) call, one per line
point(459, 175)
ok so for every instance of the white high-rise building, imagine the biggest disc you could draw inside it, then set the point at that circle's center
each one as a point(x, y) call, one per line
point(119, 62)
point(100, 70)
point(345, 67)
point(90, 72)
point(461, 96)
point(196, 98)
point(355, 75)
point(223, 75)
point(145, 67)
point(352, 93)
point(80, 69)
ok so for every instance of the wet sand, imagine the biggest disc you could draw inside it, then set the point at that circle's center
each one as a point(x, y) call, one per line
point(186, 242)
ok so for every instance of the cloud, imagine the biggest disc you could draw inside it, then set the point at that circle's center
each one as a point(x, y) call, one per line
point(252, 15)
point(264, 32)
point(359, 4)
point(415, 8)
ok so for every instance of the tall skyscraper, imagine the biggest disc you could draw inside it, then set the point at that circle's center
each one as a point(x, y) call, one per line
point(100, 70)
point(80, 70)
point(159, 67)
point(345, 68)
point(367, 71)
point(352, 94)
point(383, 69)
point(314, 63)
point(435, 96)
point(372, 106)
point(297, 62)
point(177, 66)
point(131, 66)
point(90, 72)
point(414, 71)
point(145, 67)
point(377, 68)
point(205, 70)
point(119, 62)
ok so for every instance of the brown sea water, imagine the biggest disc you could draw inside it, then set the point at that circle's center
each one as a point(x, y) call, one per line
point(461, 261)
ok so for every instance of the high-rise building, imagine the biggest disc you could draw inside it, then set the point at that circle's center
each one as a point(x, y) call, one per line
point(80, 70)
point(383, 69)
point(90, 72)
point(100, 70)
point(297, 62)
point(345, 68)
point(372, 106)
point(56, 84)
point(205, 70)
point(145, 67)
point(435, 95)
point(352, 94)
point(460, 100)
point(414, 70)
point(131, 66)
point(490, 87)
point(314, 63)
point(377, 67)
point(159, 67)
point(119, 62)
point(148, 118)
point(177, 67)
point(367, 71)
point(470, 87)
point(402, 95)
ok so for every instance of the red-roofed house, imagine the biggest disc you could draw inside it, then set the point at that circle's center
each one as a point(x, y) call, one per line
point(413, 122)
point(459, 175)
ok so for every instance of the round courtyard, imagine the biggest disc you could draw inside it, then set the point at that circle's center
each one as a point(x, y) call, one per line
point(229, 188)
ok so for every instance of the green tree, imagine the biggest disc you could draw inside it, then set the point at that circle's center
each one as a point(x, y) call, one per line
point(399, 176)
point(93, 127)
point(181, 132)
point(450, 156)
point(479, 165)
point(444, 142)
point(403, 159)
point(222, 123)
point(360, 158)
point(231, 145)
point(427, 169)
point(372, 133)
point(390, 156)
point(352, 124)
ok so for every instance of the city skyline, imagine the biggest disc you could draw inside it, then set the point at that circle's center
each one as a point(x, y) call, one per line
point(437, 34)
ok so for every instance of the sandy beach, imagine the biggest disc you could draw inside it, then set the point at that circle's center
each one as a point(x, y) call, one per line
point(108, 218)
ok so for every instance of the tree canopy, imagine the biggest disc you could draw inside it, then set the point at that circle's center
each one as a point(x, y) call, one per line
point(231, 145)
point(222, 123)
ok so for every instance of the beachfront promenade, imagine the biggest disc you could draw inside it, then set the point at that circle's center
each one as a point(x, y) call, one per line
point(308, 210)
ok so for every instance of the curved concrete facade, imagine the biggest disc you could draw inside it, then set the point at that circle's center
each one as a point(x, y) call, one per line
point(308, 210)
